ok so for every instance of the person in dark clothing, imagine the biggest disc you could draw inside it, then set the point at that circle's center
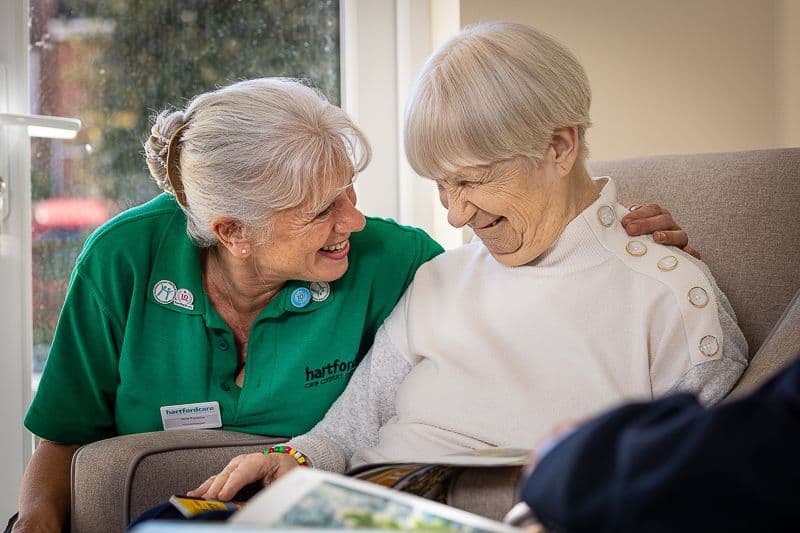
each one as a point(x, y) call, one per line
point(673, 465)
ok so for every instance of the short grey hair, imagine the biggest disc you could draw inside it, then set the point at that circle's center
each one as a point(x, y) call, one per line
point(253, 148)
point(492, 92)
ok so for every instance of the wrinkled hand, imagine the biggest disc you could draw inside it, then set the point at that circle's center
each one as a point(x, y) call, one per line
point(653, 218)
point(243, 470)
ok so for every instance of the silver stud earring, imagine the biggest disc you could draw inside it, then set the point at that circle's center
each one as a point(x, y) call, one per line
point(244, 251)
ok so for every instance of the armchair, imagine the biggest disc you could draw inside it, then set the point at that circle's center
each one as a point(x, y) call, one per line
point(741, 210)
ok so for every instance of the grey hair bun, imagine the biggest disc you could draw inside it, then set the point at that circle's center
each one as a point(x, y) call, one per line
point(250, 150)
point(155, 148)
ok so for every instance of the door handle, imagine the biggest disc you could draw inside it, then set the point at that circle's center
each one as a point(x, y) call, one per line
point(38, 126)
point(44, 126)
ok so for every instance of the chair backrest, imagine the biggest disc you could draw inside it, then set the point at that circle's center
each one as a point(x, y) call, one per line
point(781, 347)
point(742, 212)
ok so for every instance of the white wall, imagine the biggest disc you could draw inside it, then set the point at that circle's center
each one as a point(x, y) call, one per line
point(676, 77)
point(788, 72)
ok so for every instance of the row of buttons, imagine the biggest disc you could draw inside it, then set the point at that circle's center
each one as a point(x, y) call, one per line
point(698, 296)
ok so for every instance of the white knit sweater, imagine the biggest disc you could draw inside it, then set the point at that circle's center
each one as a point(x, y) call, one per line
point(477, 354)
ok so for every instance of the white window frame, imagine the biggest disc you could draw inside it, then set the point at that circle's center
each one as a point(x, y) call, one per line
point(384, 44)
point(16, 336)
point(369, 94)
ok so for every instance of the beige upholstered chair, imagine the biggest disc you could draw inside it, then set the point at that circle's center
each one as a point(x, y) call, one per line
point(741, 210)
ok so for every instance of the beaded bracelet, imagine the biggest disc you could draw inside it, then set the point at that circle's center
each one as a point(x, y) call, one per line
point(288, 450)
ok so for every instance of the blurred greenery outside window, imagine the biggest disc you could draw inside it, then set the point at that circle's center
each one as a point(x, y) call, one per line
point(114, 64)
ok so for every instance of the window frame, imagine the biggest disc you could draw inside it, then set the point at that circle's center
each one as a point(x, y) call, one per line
point(15, 256)
point(376, 82)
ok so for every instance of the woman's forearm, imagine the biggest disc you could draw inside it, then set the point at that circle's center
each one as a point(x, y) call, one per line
point(45, 490)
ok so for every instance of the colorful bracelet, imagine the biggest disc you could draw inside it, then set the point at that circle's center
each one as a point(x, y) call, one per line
point(288, 450)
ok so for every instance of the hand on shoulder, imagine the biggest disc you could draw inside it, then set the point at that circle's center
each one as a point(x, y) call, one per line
point(654, 219)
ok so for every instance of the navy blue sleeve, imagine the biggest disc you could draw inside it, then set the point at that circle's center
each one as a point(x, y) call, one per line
point(673, 465)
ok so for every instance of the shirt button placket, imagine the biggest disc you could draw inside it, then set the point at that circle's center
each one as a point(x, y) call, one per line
point(223, 345)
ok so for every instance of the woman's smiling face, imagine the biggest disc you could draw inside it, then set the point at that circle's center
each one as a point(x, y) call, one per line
point(517, 209)
point(311, 245)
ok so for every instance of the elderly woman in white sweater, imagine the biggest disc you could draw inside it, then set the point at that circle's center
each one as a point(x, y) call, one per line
point(553, 312)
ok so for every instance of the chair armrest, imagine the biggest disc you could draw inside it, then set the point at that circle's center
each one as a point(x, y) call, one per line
point(114, 480)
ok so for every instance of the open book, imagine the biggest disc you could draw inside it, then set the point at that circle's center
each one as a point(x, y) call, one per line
point(312, 499)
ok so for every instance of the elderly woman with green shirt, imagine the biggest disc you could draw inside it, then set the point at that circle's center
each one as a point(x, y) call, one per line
point(243, 299)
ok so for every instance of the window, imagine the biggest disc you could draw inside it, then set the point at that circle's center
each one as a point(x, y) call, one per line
point(113, 65)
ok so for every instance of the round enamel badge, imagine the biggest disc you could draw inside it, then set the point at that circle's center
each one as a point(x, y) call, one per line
point(301, 297)
point(184, 298)
point(164, 291)
point(320, 290)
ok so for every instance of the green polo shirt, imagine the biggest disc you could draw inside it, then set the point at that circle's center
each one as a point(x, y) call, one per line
point(137, 332)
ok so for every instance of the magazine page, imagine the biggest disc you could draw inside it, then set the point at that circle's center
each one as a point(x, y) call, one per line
point(430, 481)
point(389, 474)
point(313, 499)
point(190, 506)
point(483, 457)
point(488, 457)
point(431, 477)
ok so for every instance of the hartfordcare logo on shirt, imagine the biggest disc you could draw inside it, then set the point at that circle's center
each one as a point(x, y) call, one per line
point(329, 372)
point(191, 415)
point(188, 410)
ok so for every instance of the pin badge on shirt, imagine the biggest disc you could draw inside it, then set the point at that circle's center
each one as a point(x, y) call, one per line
point(301, 297)
point(320, 290)
point(184, 298)
point(164, 291)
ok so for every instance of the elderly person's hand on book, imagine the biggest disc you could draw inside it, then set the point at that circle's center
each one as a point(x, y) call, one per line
point(247, 468)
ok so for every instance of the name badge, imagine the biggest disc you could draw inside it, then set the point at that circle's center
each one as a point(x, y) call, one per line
point(191, 416)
